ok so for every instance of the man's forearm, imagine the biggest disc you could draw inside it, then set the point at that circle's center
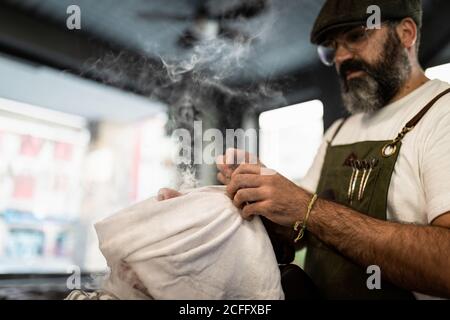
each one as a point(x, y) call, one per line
point(413, 257)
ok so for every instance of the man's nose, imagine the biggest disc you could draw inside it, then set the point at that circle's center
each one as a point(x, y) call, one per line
point(342, 55)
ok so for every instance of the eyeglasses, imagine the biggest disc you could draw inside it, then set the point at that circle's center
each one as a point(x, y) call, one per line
point(353, 40)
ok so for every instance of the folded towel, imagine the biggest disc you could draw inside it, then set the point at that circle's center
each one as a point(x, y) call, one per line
point(195, 246)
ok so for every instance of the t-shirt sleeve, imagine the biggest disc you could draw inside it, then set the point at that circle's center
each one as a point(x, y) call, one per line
point(310, 181)
point(435, 163)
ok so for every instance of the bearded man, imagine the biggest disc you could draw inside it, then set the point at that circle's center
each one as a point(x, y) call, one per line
point(376, 201)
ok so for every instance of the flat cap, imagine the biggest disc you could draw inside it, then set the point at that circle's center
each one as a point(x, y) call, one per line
point(343, 13)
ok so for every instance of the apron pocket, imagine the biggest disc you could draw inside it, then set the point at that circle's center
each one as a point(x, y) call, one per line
point(351, 188)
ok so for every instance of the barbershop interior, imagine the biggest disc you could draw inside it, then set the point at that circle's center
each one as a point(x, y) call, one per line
point(95, 95)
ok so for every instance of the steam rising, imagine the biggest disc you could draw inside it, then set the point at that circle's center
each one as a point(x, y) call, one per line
point(195, 84)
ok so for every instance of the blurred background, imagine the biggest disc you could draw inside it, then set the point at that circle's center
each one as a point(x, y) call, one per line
point(90, 96)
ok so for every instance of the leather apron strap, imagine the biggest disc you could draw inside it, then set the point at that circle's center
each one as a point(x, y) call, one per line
point(366, 191)
point(391, 148)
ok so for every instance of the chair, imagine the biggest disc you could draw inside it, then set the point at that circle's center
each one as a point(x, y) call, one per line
point(296, 284)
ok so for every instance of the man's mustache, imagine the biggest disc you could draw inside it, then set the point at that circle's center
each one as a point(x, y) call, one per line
point(352, 66)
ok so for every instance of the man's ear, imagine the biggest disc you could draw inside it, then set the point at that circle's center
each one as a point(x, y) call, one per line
point(407, 31)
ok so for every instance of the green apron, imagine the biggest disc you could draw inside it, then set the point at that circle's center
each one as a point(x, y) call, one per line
point(357, 176)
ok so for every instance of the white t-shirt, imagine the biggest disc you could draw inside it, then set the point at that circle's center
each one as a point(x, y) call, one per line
point(420, 186)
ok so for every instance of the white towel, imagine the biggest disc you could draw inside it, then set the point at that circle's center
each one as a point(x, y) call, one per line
point(195, 246)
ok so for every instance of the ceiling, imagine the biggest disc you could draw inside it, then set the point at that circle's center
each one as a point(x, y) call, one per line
point(35, 31)
point(282, 31)
point(70, 94)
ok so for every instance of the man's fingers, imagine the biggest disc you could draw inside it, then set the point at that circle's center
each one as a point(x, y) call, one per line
point(237, 156)
point(253, 209)
point(225, 169)
point(233, 158)
point(242, 181)
point(246, 196)
point(247, 168)
point(223, 180)
point(166, 194)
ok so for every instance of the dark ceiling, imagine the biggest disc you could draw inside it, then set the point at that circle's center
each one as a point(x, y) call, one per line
point(36, 30)
point(282, 30)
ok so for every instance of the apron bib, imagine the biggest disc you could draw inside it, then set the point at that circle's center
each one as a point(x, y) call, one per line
point(356, 176)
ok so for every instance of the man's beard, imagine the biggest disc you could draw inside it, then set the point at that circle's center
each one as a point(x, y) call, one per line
point(381, 81)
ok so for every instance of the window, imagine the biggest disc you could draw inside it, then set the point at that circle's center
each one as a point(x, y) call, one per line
point(58, 180)
point(441, 72)
point(41, 154)
point(290, 138)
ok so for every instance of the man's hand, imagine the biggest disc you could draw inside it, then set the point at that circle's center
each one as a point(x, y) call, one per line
point(166, 194)
point(261, 191)
point(229, 162)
